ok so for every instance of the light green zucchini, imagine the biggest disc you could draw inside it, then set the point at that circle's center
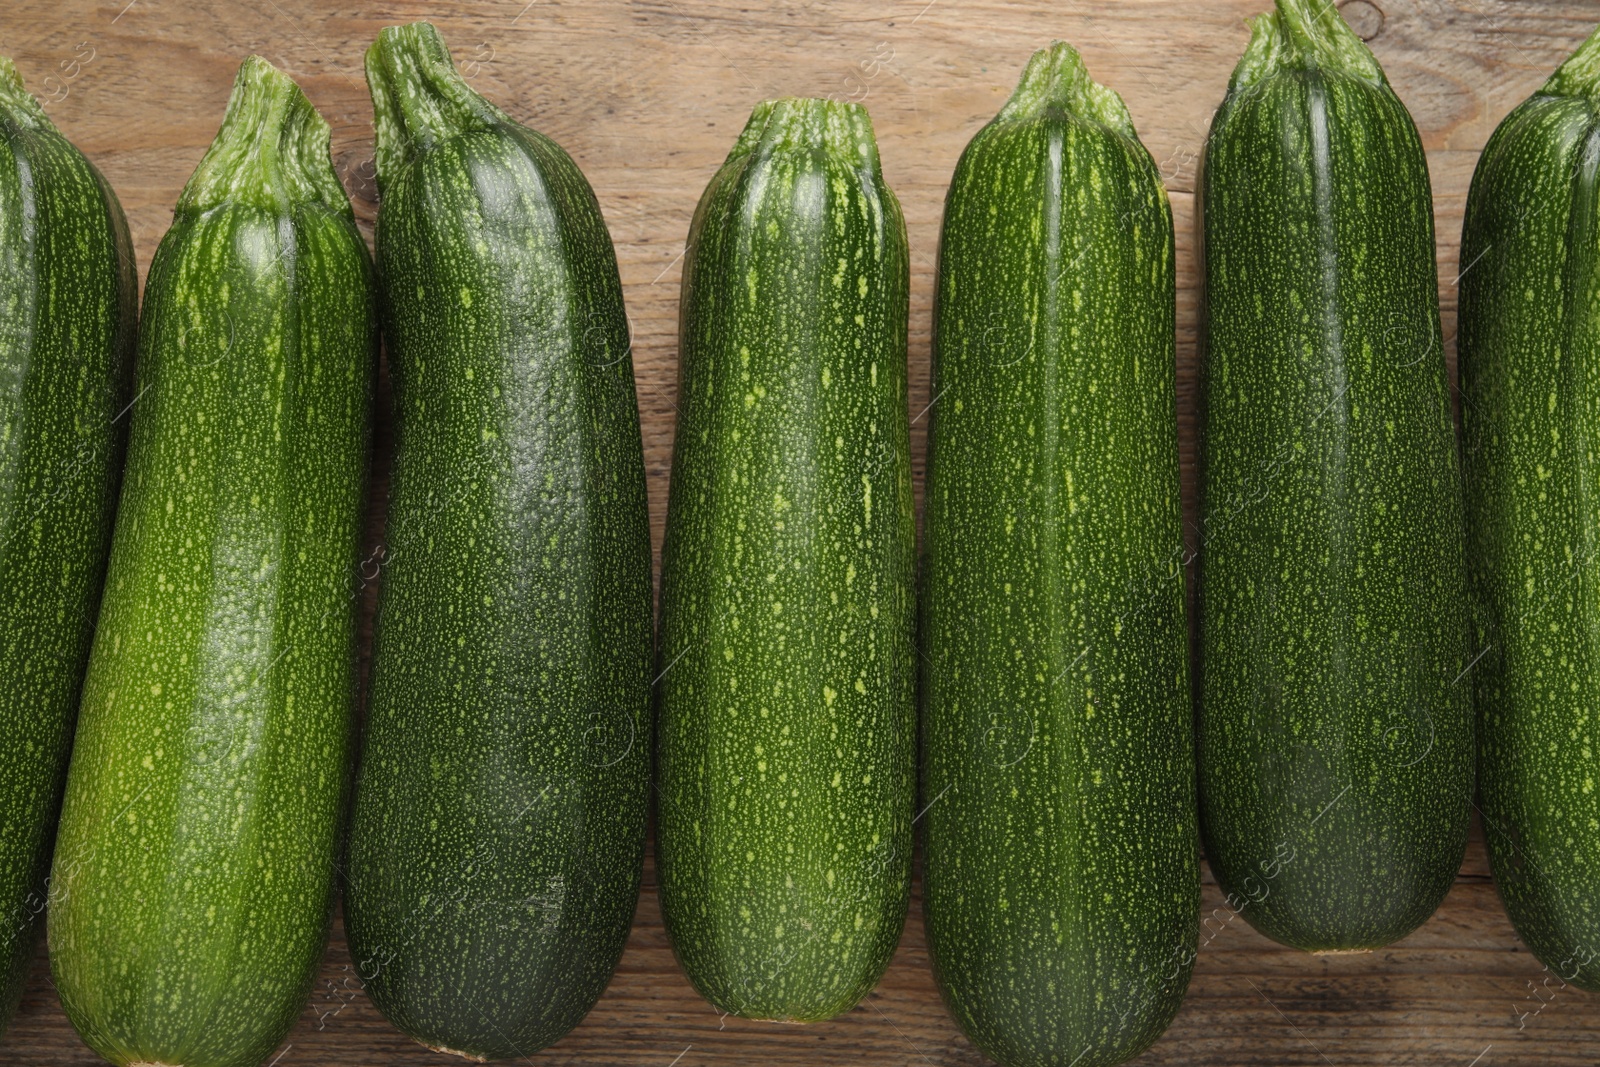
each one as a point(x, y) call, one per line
point(193, 875)
point(787, 719)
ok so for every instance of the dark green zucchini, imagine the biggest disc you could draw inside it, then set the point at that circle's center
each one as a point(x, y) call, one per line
point(787, 715)
point(1334, 729)
point(68, 302)
point(499, 820)
point(1061, 882)
point(193, 876)
point(1530, 407)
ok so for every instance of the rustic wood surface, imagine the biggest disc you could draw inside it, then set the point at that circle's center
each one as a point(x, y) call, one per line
point(648, 95)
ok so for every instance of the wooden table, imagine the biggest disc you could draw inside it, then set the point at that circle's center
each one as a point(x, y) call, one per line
point(648, 95)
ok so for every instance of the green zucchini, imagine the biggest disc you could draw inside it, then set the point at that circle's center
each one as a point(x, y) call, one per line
point(787, 715)
point(68, 303)
point(193, 877)
point(1334, 734)
point(499, 824)
point(1530, 398)
point(1061, 882)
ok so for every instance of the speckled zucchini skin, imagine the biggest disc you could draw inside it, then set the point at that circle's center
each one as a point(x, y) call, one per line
point(68, 303)
point(787, 741)
point(1061, 883)
point(1530, 380)
point(1335, 727)
point(193, 875)
point(499, 820)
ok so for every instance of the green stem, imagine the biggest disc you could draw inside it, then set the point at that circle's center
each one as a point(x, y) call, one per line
point(418, 97)
point(16, 99)
point(809, 123)
point(271, 151)
point(1304, 35)
point(1580, 75)
point(1056, 77)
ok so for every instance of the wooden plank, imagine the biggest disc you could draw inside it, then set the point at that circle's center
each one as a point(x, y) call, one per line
point(647, 96)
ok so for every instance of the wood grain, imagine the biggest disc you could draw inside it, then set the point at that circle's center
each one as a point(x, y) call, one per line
point(648, 95)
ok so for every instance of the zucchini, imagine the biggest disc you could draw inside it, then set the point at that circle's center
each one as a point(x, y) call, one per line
point(499, 823)
point(68, 303)
point(1334, 734)
point(1530, 326)
point(193, 876)
point(787, 714)
point(1060, 866)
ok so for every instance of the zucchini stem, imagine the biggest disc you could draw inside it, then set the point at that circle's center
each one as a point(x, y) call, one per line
point(1580, 75)
point(272, 150)
point(810, 123)
point(1304, 35)
point(16, 101)
point(1056, 77)
point(419, 99)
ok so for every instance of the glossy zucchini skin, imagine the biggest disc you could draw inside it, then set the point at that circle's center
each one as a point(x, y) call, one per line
point(1334, 731)
point(499, 820)
point(193, 875)
point(786, 746)
point(1530, 392)
point(68, 305)
point(1061, 883)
